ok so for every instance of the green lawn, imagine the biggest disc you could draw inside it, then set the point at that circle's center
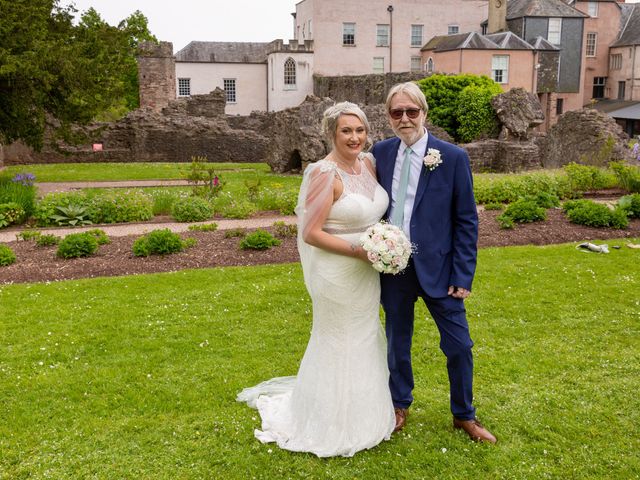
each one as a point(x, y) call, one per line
point(135, 377)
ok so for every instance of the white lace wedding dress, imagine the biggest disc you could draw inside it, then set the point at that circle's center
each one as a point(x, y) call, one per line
point(339, 402)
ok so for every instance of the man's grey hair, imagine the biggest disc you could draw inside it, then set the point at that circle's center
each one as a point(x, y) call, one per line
point(332, 114)
point(411, 90)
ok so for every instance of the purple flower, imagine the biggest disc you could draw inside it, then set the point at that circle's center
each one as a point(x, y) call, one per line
point(25, 179)
point(216, 181)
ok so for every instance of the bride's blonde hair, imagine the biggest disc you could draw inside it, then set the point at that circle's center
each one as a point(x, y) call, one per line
point(332, 114)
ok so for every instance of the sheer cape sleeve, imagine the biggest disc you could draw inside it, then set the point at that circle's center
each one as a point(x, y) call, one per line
point(315, 192)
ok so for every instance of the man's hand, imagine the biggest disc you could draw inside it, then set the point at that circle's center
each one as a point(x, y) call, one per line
point(458, 292)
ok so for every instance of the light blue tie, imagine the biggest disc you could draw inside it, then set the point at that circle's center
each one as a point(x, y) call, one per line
point(398, 211)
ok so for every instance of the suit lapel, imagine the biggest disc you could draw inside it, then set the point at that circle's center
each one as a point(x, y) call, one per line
point(425, 174)
point(386, 173)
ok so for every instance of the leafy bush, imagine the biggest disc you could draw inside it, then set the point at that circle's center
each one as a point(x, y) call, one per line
point(522, 211)
point(158, 242)
point(631, 205)
point(100, 235)
point(494, 206)
point(207, 227)
point(628, 176)
point(191, 209)
point(238, 209)
point(12, 213)
point(285, 230)
point(27, 235)
point(476, 116)
point(505, 221)
point(235, 232)
point(47, 240)
point(509, 188)
point(22, 193)
point(443, 94)
point(203, 178)
point(117, 206)
point(72, 215)
point(259, 240)
point(163, 200)
point(584, 178)
point(592, 214)
point(47, 206)
point(77, 245)
point(7, 257)
point(282, 200)
point(544, 200)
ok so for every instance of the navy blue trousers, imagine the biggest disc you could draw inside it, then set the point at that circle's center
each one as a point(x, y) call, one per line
point(399, 295)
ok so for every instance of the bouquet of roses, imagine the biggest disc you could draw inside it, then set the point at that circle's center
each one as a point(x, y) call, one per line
point(387, 247)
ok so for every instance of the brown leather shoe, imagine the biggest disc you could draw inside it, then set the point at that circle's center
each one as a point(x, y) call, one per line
point(474, 429)
point(401, 418)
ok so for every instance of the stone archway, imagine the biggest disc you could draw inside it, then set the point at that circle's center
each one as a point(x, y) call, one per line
point(294, 165)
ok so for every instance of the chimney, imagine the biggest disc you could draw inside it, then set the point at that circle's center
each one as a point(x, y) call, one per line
point(497, 16)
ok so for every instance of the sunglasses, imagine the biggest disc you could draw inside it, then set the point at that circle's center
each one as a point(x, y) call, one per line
point(397, 113)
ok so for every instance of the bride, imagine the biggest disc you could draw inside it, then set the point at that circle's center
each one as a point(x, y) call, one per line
point(339, 403)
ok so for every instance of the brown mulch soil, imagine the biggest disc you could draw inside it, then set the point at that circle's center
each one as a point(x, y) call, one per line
point(38, 264)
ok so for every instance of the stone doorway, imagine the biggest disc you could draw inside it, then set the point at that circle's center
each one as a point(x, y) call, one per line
point(294, 165)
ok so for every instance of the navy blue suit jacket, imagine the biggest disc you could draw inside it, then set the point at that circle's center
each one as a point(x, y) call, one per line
point(444, 222)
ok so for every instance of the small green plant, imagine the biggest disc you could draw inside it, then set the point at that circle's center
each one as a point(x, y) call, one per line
point(584, 178)
point(544, 200)
point(100, 235)
point(77, 245)
point(203, 178)
point(631, 205)
point(191, 209)
point(120, 206)
point(206, 227)
point(47, 240)
point(505, 222)
point(27, 235)
point(283, 229)
point(7, 257)
point(253, 188)
point(494, 206)
point(12, 213)
point(628, 176)
point(72, 215)
point(523, 211)
point(238, 209)
point(235, 232)
point(163, 201)
point(158, 242)
point(592, 214)
point(4, 222)
point(259, 240)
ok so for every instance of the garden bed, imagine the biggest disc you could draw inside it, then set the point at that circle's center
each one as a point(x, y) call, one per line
point(39, 264)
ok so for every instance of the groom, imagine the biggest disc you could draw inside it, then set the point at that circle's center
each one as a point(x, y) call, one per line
point(431, 190)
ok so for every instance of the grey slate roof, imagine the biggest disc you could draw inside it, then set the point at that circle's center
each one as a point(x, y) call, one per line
point(630, 34)
point(541, 8)
point(472, 40)
point(224, 52)
point(542, 43)
point(624, 109)
point(509, 40)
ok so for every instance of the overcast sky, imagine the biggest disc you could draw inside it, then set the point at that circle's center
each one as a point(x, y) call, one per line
point(182, 21)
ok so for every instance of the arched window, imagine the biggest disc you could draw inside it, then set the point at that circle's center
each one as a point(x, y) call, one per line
point(429, 65)
point(289, 73)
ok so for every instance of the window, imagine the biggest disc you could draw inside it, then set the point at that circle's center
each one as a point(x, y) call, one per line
point(453, 29)
point(348, 34)
point(500, 68)
point(416, 35)
point(429, 65)
point(378, 64)
point(615, 61)
point(184, 87)
point(591, 44)
point(621, 88)
point(230, 89)
point(559, 106)
point(382, 35)
point(416, 64)
point(592, 9)
point(289, 74)
point(598, 86)
point(555, 31)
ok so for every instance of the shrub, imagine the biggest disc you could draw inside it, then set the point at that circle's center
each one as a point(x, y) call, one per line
point(47, 240)
point(544, 200)
point(120, 207)
point(163, 201)
point(631, 205)
point(27, 235)
point(253, 188)
point(259, 240)
point(285, 230)
point(207, 227)
point(584, 178)
point(494, 206)
point(505, 221)
point(235, 232)
point(100, 235)
point(47, 206)
point(158, 242)
point(592, 214)
point(238, 209)
point(21, 192)
point(13, 213)
point(7, 257)
point(191, 209)
point(628, 176)
point(77, 245)
point(282, 200)
point(203, 178)
point(476, 116)
point(509, 188)
point(71, 215)
point(525, 211)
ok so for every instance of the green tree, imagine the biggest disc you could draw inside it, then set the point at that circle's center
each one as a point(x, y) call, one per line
point(475, 115)
point(443, 94)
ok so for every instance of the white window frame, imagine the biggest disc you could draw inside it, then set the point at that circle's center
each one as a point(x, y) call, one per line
point(554, 31)
point(500, 69)
point(592, 9)
point(184, 87)
point(415, 65)
point(590, 48)
point(417, 34)
point(348, 34)
point(289, 74)
point(382, 35)
point(378, 64)
point(229, 86)
point(453, 29)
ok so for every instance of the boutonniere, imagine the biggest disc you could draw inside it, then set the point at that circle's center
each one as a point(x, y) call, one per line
point(432, 159)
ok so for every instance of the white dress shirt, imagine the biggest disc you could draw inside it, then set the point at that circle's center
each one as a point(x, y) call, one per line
point(418, 150)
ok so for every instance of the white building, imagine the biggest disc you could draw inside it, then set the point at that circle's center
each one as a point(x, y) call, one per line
point(331, 38)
